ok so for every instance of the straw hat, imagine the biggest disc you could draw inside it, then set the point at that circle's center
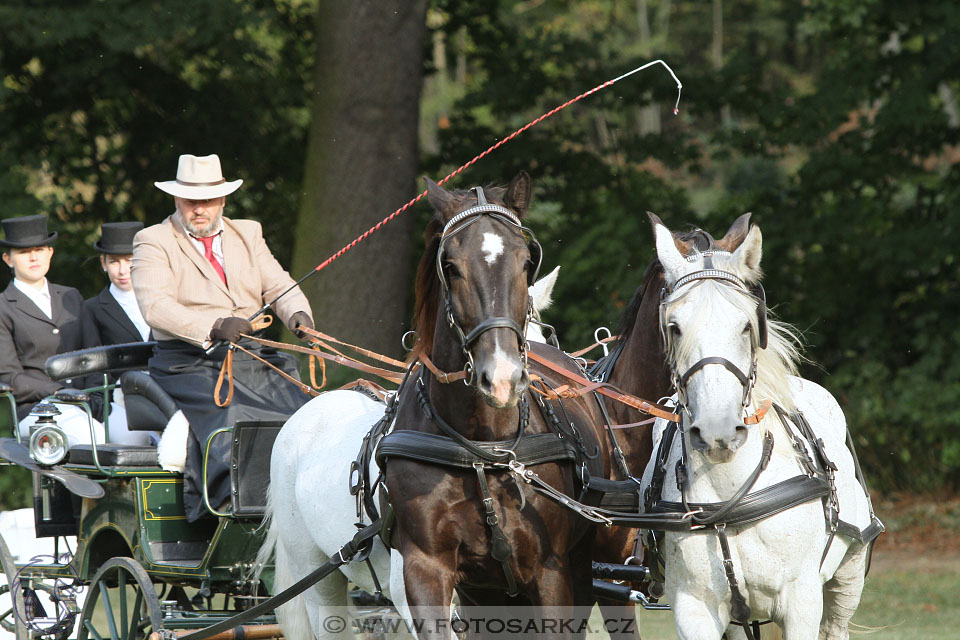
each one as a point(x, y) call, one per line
point(26, 231)
point(199, 178)
point(116, 238)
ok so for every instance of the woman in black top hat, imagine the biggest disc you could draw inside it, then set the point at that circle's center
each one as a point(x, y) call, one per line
point(114, 311)
point(115, 316)
point(39, 319)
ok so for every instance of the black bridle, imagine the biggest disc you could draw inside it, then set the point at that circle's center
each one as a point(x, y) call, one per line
point(458, 223)
point(747, 380)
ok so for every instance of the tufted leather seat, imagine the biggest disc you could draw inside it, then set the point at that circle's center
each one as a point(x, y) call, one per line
point(149, 407)
point(110, 359)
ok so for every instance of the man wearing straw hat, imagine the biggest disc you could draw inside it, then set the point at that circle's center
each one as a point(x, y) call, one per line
point(198, 277)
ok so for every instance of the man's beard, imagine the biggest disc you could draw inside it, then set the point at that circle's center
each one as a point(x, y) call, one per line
point(200, 232)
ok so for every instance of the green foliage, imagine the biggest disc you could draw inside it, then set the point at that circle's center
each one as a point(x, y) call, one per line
point(16, 488)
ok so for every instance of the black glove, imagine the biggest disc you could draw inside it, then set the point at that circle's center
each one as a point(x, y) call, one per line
point(301, 319)
point(97, 405)
point(229, 329)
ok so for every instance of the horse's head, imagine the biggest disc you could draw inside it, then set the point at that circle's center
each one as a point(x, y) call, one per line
point(712, 313)
point(483, 263)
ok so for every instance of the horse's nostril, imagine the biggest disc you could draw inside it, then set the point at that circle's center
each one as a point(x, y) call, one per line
point(740, 435)
point(696, 438)
point(485, 382)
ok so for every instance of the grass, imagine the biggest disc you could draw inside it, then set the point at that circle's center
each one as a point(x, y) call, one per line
point(908, 597)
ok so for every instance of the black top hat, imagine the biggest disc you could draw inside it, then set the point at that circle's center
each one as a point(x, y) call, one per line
point(26, 231)
point(116, 238)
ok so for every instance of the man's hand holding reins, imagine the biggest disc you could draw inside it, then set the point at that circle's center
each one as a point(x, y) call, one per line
point(301, 320)
point(229, 329)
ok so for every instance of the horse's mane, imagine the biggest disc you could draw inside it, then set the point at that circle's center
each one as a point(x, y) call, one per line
point(427, 285)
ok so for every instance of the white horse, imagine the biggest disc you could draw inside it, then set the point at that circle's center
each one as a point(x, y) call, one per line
point(311, 513)
point(715, 341)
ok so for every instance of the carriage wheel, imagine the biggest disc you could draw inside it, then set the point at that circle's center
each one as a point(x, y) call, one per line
point(11, 601)
point(121, 604)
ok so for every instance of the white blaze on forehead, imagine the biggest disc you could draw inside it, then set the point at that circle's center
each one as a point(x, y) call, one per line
point(492, 247)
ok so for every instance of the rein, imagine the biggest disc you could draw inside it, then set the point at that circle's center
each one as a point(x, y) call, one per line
point(603, 388)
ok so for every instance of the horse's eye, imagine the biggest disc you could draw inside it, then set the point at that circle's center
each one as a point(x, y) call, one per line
point(451, 270)
point(674, 329)
point(747, 329)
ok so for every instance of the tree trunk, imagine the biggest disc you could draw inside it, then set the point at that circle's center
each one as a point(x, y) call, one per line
point(726, 117)
point(361, 165)
point(648, 117)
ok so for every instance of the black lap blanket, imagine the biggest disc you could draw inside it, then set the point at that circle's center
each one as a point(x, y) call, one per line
point(190, 377)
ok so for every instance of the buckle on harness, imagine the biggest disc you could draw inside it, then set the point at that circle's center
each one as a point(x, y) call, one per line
point(519, 470)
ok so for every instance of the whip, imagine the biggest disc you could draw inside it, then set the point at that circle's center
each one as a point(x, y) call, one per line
point(532, 123)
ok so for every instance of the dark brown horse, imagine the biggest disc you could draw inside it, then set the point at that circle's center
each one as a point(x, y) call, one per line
point(638, 368)
point(476, 528)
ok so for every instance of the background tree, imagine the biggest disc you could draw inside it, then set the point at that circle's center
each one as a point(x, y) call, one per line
point(98, 100)
point(361, 165)
point(836, 123)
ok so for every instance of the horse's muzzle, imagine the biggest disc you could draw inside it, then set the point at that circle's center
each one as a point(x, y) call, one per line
point(502, 386)
point(718, 448)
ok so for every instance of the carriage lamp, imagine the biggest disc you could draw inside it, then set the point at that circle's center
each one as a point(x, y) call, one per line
point(48, 442)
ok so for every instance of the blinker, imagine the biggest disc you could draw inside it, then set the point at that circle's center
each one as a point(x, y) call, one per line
point(761, 296)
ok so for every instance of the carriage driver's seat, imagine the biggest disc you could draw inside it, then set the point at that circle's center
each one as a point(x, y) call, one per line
point(149, 407)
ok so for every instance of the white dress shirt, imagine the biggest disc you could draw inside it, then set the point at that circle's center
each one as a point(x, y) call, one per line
point(40, 297)
point(128, 302)
point(217, 245)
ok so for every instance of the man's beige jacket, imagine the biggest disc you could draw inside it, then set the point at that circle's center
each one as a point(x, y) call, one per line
point(180, 293)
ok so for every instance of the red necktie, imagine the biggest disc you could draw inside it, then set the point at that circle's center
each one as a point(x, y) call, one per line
point(208, 254)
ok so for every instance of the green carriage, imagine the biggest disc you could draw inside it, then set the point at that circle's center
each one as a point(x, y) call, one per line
point(138, 566)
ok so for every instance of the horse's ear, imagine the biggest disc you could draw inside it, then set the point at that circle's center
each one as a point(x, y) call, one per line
point(684, 247)
point(440, 199)
point(735, 235)
point(748, 255)
point(518, 193)
point(667, 251)
point(542, 289)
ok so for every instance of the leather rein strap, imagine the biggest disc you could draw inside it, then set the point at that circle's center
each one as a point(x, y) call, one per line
point(600, 387)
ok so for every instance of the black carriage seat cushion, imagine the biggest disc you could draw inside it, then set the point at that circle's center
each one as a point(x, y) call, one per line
point(115, 455)
point(149, 407)
point(113, 358)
